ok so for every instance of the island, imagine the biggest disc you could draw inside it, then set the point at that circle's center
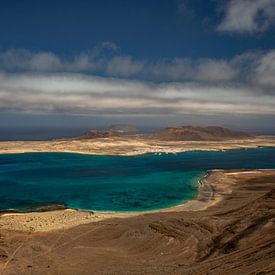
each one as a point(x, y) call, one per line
point(169, 140)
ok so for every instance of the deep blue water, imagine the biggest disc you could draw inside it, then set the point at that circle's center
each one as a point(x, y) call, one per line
point(109, 183)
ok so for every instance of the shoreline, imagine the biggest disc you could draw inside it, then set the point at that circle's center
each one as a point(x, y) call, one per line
point(168, 152)
point(130, 146)
point(211, 191)
point(141, 153)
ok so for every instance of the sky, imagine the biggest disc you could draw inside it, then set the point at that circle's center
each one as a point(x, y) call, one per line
point(85, 64)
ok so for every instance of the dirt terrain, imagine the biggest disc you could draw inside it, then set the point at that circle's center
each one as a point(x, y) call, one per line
point(233, 236)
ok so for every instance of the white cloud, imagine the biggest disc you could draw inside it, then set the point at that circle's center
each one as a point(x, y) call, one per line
point(248, 16)
point(124, 66)
point(177, 69)
point(44, 82)
point(44, 61)
point(184, 69)
point(264, 71)
point(216, 70)
point(82, 94)
point(25, 60)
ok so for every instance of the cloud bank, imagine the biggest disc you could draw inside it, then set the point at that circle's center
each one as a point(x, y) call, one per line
point(92, 84)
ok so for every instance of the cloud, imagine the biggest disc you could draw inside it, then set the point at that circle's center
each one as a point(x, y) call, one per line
point(264, 71)
point(97, 61)
point(75, 94)
point(255, 67)
point(25, 60)
point(42, 82)
point(216, 70)
point(124, 66)
point(184, 69)
point(109, 46)
point(248, 16)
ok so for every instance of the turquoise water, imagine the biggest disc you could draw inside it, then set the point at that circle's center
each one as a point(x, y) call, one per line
point(109, 183)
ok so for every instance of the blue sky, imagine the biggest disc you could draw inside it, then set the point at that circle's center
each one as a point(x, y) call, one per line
point(158, 62)
point(144, 29)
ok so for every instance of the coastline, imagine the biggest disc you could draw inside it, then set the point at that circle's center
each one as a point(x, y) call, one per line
point(130, 146)
point(213, 186)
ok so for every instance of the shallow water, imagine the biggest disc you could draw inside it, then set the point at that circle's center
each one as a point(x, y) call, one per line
point(109, 183)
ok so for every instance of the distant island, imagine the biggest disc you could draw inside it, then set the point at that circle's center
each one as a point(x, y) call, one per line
point(124, 140)
point(172, 133)
point(198, 133)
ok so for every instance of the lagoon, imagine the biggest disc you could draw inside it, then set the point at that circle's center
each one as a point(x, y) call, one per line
point(115, 183)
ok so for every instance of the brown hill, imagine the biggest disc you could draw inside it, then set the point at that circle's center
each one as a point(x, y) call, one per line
point(92, 134)
point(198, 133)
